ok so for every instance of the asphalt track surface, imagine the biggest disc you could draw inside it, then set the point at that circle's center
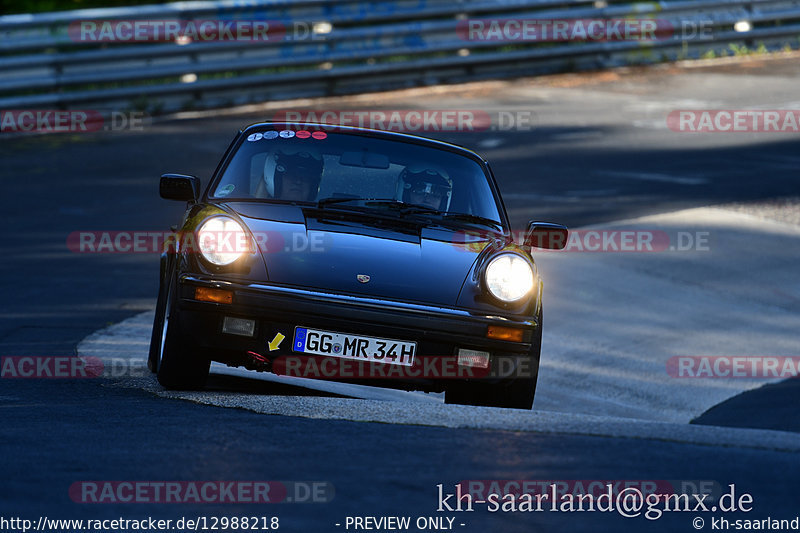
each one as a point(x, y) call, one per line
point(599, 152)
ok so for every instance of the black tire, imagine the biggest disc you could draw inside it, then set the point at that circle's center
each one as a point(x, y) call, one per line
point(180, 365)
point(515, 393)
point(156, 337)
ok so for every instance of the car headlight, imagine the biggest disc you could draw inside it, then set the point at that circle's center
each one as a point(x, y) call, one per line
point(222, 240)
point(509, 277)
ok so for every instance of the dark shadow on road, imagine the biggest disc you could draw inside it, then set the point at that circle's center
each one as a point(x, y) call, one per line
point(772, 406)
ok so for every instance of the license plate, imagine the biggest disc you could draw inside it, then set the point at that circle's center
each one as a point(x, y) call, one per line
point(357, 347)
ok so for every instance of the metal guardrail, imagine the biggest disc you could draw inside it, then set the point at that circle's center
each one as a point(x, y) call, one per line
point(344, 46)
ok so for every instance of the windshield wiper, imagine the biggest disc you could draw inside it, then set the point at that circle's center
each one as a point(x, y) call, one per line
point(405, 208)
point(466, 217)
point(334, 200)
point(416, 209)
point(402, 207)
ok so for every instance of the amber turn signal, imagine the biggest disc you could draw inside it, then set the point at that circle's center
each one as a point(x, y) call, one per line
point(504, 334)
point(213, 295)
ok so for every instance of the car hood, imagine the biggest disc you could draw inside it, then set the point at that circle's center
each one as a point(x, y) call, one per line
point(336, 251)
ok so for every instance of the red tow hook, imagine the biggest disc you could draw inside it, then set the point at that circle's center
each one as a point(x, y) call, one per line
point(258, 357)
point(259, 360)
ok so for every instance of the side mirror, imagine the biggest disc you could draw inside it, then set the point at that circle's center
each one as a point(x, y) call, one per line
point(179, 187)
point(546, 235)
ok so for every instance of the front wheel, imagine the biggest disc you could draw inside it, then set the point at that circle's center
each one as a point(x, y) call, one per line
point(157, 336)
point(180, 365)
point(514, 393)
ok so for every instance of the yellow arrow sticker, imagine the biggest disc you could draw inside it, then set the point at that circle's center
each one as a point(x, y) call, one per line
point(274, 343)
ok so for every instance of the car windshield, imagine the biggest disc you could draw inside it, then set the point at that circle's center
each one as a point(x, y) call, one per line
point(351, 171)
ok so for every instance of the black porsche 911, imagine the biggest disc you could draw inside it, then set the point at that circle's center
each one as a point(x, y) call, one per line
point(356, 255)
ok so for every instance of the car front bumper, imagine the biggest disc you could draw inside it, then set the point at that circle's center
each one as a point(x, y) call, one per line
point(438, 331)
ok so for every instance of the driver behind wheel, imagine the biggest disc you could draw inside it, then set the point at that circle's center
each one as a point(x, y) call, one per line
point(426, 186)
point(293, 175)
